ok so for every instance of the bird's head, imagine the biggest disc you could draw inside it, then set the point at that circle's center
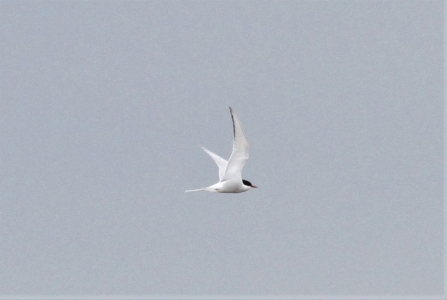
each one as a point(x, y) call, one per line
point(248, 183)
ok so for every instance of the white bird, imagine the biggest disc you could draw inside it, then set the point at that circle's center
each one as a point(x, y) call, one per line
point(230, 177)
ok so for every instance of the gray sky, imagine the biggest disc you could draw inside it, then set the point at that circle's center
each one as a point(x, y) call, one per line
point(104, 106)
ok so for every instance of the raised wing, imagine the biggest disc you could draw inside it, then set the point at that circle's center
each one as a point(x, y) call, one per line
point(221, 163)
point(239, 156)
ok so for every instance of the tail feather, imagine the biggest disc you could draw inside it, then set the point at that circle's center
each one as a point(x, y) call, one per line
point(194, 190)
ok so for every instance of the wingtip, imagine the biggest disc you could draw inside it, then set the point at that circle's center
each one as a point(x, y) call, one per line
point(232, 118)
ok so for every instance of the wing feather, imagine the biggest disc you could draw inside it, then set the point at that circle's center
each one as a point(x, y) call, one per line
point(240, 155)
point(221, 163)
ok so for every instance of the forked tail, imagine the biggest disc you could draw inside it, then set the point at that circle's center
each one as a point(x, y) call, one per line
point(194, 190)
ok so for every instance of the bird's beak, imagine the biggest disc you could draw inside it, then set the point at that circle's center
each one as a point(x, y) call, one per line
point(254, 186)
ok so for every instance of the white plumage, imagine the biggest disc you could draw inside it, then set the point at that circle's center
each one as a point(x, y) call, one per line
point(230, 172)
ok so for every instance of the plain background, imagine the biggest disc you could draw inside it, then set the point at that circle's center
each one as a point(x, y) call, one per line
point(103, 108)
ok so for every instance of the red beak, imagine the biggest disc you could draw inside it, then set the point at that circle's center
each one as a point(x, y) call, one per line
point(254, 186)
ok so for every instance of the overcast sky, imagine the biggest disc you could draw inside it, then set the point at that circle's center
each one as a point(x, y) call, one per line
point(103, 107)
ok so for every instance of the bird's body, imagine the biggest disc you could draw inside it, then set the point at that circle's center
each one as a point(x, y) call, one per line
point(229, 186)
point(230, 171)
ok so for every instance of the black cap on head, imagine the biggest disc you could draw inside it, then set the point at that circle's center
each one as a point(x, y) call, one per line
point(246, 182)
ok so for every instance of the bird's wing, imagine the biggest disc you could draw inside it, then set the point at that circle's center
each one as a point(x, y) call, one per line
point(221, 163)
point(239, 156)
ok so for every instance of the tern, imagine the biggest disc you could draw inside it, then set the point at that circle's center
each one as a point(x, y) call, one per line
point(230, 172)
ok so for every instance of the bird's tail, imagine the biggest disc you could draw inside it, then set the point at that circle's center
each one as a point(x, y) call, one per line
point(194, 190)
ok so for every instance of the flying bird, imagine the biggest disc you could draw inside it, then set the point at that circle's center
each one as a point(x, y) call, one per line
point(230, 172)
